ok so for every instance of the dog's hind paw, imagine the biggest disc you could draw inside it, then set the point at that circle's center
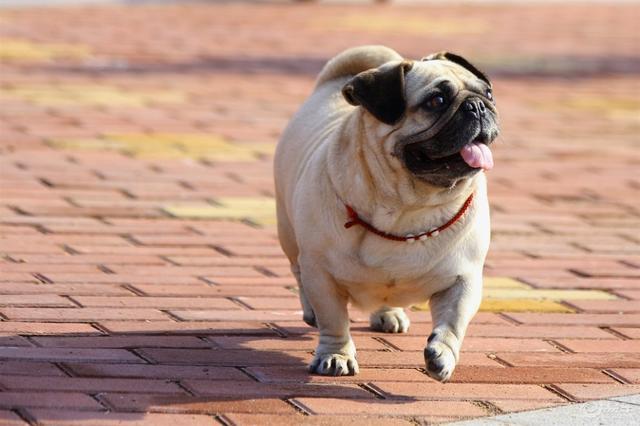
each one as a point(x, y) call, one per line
point(334, 365)
point(440, 360)
point(390, 320)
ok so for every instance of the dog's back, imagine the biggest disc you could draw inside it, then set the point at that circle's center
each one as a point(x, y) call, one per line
point(314, 124)
point(323, 111)
point(355, 60)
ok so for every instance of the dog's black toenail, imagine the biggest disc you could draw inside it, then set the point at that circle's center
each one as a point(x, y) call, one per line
point(430, 353)
point(435, 367)
point(431, 337)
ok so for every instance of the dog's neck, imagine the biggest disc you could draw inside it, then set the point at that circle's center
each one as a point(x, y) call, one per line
point(378, 186)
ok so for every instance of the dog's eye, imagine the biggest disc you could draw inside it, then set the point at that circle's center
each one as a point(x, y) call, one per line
point(489, 94)
point(435, 102)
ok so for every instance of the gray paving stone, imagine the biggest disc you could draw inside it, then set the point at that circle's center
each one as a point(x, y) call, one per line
point(629, 399)
point(621, 411)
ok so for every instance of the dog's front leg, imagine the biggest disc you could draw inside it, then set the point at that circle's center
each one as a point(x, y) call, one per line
point(336, 353)
point(451, 311)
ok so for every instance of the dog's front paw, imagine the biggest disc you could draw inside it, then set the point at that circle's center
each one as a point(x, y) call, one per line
point(334, 365)
point(440, 360)
point(392, 320)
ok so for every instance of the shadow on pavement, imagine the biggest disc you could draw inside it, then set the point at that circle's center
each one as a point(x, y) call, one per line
point(191, 370)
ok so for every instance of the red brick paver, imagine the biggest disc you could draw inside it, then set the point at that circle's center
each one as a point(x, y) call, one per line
point(141, 281)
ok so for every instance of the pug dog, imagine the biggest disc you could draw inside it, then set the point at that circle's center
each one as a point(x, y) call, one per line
point(382, 199)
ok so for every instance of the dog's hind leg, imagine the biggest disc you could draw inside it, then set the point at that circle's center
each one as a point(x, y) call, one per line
point(389, 320)
point(308, 315)
point(290, 248)
point(336, 352)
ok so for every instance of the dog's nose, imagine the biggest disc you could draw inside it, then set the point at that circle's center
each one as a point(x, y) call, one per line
point(474, 107)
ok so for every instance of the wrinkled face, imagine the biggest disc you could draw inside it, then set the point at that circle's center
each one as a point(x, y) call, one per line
point(442, 112)
point(450, 120)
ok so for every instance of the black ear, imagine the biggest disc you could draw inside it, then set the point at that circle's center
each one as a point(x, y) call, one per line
point(380, 91)
point(460, 61)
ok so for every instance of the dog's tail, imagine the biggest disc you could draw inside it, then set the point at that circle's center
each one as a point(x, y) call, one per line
point(355, 60)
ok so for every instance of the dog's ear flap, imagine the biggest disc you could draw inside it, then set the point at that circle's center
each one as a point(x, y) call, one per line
point(448, 56)
point(380, 91)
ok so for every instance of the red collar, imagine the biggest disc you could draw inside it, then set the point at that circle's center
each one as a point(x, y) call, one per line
point(354, 219)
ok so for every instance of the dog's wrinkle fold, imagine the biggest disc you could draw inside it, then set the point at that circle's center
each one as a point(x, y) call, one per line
point(437, 160)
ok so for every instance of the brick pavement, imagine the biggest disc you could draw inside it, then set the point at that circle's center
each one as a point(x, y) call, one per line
point(140, 277)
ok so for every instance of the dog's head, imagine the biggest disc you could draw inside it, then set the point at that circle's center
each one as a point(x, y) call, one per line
point(439, 113)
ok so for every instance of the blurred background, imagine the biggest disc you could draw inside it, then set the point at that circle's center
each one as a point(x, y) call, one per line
point(239, 69)
point(224, 64)
point(138, 110)
point(142, 110)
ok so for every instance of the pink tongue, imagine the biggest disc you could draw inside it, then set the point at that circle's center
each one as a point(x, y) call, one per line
point(477, 155)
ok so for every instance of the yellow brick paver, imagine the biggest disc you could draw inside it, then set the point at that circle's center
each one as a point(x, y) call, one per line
point(508, 293)
point(171, 145)
point(19, 50)
point(89, 95)
point(260, 210)
point(522, 305)
point(504, 294)
point(504, 282)
point(416, 25)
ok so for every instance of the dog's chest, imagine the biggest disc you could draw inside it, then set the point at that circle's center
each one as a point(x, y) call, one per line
point(373, 289)
point(394, 273)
